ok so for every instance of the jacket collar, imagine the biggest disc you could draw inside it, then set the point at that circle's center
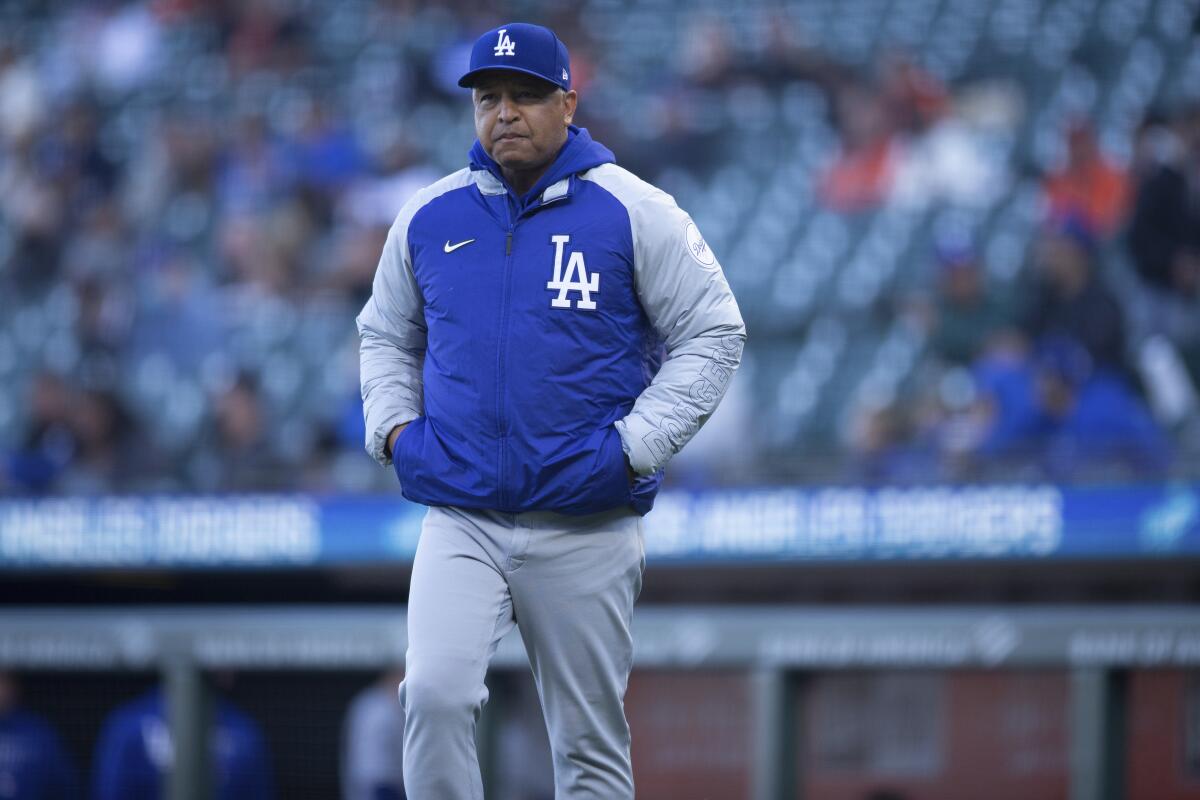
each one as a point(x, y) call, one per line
point(579, 153)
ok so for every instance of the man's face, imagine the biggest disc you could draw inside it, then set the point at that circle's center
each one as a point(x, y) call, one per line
point(521, 121)
point(1056, 396)
point(1062, 260)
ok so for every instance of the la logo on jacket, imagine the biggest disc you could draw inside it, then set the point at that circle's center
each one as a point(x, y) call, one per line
point(576, 278)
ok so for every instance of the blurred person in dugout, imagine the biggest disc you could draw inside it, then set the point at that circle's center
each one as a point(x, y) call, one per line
point(33, 763)
point(373, 742)
point(135, 752)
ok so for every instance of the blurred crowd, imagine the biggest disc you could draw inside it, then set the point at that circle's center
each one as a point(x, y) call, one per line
point(194, 195)
point(193, 199)
point(1086, 366)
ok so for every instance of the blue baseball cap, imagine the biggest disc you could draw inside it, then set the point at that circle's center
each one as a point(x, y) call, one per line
point(520, 47)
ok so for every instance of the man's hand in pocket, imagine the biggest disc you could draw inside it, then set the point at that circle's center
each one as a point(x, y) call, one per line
point(393, 436)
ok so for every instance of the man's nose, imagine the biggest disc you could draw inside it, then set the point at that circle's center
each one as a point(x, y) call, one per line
point(507, 110)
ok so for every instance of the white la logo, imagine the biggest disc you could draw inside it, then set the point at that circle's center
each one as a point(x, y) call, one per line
point(505, 46)
point(576, 279)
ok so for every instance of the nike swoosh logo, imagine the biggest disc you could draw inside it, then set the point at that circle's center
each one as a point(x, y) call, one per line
point(450, 248)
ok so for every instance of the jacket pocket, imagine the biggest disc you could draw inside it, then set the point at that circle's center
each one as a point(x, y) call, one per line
point(610, 481)
point(579, 476)
point(437, 469)
point(402, 453)
point(645, 489)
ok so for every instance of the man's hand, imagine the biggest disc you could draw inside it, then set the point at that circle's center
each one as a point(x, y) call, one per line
point(393, 436)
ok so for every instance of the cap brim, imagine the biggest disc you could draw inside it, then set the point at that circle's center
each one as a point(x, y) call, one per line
point(468, 80)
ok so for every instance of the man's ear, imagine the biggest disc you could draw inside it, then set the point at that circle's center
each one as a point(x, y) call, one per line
point(571, 101)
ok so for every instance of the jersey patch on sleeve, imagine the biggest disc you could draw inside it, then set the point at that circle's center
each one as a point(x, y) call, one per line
point(696, 246)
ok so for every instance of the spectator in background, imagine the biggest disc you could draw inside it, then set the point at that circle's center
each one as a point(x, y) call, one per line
point(1090, 187)
point(265, 36)
point(1071, 300)
point(706, 55)
point(967, 312)
point(1091, 419)
point(861, 176)
point(326, 155)
point(108, 454)
point(1058, 412)
point(253, 171)
point(373, 742)
point(1005, 404)
point(887, 448)
point(135, 753)
point(178, 315)
point(79, 441)
point(239, 456)
point(76, 159)
point(102, 320)
point(33, 763)
point(1164, 235)
point(22, 96)
point(49, 443)
point(914, 98)
point(33, 209)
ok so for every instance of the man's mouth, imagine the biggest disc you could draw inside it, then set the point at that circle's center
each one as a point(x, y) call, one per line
point(507, 136)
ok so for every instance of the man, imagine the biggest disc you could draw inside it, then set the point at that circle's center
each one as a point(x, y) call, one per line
point(1072, 298)
point(373, 742)
point(1164, 232)
point(34, 765)
point(512, 372)
point(135, 753)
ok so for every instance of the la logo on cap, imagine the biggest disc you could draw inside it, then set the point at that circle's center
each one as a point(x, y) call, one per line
point(505, 46)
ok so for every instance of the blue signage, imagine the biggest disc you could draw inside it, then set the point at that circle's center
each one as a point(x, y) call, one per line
point(764, 524)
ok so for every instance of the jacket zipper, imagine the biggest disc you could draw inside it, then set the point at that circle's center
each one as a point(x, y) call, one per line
point(501, 454)
point(501, 459)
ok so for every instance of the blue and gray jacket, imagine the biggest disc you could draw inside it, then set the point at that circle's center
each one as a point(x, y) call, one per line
point(523, 337)
point(135, 752)
point(33, 763)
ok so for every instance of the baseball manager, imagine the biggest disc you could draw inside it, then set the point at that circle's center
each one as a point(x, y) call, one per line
point(545, 331)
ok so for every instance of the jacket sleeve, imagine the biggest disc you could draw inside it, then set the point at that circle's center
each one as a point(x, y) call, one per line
point(685, 296)
point(391, 329)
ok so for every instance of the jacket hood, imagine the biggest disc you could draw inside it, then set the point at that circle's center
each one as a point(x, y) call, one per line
point(580, 152)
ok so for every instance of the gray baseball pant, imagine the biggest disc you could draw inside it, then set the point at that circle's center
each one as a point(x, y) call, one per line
point(569, 584)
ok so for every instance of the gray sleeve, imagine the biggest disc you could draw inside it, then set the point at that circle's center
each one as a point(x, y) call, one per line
point(391, 331)
point(686, 297)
